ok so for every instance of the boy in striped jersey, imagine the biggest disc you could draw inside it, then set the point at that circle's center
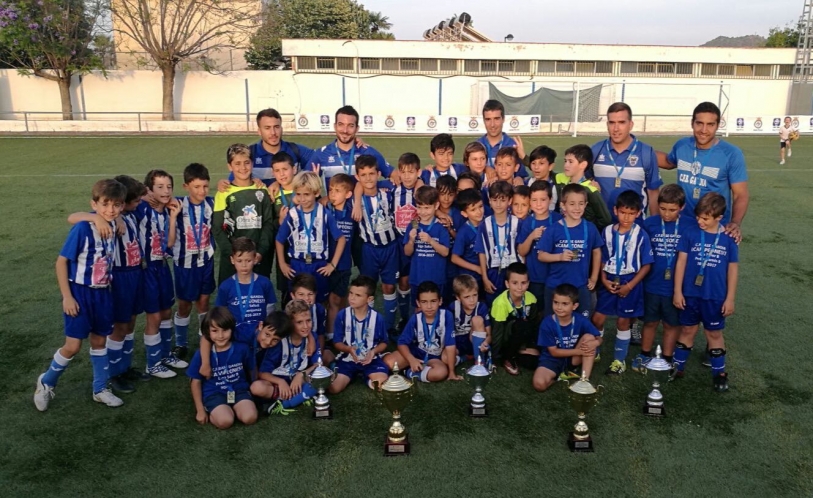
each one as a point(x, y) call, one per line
point(441, 150)
point(409, 165)
point(83, 271)
point(360, 338)
point(379, 237)
point(190, 235)
point(626, 257)
point(496, 242)
point(472, 324)
point(303, 287)
point(159, 295)
point(308, 230)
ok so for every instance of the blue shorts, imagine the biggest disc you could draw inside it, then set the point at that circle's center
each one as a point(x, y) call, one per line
point(555, 365)
point(351, 368)
point(339, 282)
point(630, 306)
point(709, 312)
point(497, 278)
point(95, 312)
point(464, 346)
point(158, 292)
point(191, 283)
point(127, 294)
point(380, 262)
point(421, 355)
point(659, 308)
point(404, 261)
point(322, 283)
point(585, 301)
point(220, 398)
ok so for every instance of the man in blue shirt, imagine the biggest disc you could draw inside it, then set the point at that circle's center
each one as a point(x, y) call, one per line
point(622, 162)
point(707, 164)
point(269, 127)
point(495, 138)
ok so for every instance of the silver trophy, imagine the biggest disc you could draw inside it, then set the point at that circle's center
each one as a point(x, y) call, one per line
point(477, 377)
point(660, 370)
point(320, 378)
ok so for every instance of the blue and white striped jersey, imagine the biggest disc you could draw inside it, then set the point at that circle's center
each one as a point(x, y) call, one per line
point(405, 210)
point(431, 177)
point(153, 231)
point(194, 244)
point(632, 248)
point(332, 160)
point(377, 226)
point(362, 335)
point(309, 233)
point(128, 251)
point(430, 337)
point(90, 257)
point(498, 242)
point(462, 321)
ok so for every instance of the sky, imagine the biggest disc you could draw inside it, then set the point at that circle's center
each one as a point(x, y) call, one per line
point(635, 22)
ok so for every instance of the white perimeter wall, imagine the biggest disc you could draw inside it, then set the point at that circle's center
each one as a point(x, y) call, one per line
point(294, 93)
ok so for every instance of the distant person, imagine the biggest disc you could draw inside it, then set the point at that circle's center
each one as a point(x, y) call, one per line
point(787, 134)
point(707, 164)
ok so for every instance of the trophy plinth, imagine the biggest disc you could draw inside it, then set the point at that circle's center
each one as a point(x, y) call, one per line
point(477, 377)
point(320, 379)
point(395, 394)
point(583, 397)
point(660, 370)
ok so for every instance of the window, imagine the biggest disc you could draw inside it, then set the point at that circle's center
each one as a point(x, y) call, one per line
point(345, 64)
point(325, 63)
point(646, 67)
point(488, 66)
point(565, 67)
point(684, 68)
point(546, 66)
point(522, 66)
point(604, 67)
point(666, 68)
point(786, 70)
point(448, 65)
point(629, 68)
point(763, 70)
point(586, 67)
point(708, 69)
point(370, 64)
point(726, 70)
point(472, 66)
point(409, 65)
point(429, 65)
point(305, 63)
point(506, 66)
point(390, 64)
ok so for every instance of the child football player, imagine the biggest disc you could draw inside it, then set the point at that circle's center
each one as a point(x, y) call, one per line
point(496, 242)
point(303, 287)
point(521, 202)
point(441, 150)
point(530, 232)
point(566, 339)
point(340, 204)
point(578, 169)
point(626, 258)
point(705, 286)
point(83, 271)
point(464, 256)
point(360, 338)
point(516, 315)
point(543, 159)
point(472, 324)
point(507, 165)
point(225, 396)
point(409, 165)
point(426, 347)
point(283, 200)
point(427, 243)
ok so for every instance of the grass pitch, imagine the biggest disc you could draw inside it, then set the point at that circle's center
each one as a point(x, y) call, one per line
point(752, 441)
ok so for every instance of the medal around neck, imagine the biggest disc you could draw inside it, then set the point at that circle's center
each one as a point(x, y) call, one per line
point(477, 377)
point(583, 397)
point(395, 394)
point(320, 378)
point(660, 370)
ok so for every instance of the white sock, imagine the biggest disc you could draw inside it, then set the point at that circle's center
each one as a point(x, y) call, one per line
point(425, 374)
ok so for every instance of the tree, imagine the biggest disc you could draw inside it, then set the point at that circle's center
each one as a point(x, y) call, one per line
point(172, 31)
point(51, 39)
point(325, 19)
point(787, 37)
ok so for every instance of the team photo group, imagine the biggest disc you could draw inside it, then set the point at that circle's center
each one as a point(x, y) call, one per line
point(487, 254)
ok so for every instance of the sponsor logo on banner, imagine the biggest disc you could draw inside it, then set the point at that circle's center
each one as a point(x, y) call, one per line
point(368, 123)
point(452, 123)
point(777, 122)
point(795, 122)
point(302, 121)
point(474, 124)
point(534, 123)
point(324, 122)
point(740, 124)
point(513, 123)
point(431, 124)
point(389, 123)
point(723, 124)
point(410, 122)
point(758, 124)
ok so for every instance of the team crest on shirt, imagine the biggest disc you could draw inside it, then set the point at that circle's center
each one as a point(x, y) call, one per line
point(331, 159)
point(259, 160)
point(601, 157)
point(633, 161)
point(259, 194)
point(696, 167)
point(250, 219)
point(133, 253)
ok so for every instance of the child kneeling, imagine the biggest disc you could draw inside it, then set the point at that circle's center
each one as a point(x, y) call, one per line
point(565, 335)
point(225, 394)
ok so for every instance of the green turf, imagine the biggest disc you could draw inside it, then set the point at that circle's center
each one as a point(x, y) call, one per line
point(753, 441)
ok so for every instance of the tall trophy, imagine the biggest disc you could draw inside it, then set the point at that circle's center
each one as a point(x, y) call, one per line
point(477, 377)
point(320, 378)
point(660, 370)
point(395, 394)
point(583, 396)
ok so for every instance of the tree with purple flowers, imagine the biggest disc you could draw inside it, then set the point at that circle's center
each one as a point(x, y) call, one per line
point(51, 39)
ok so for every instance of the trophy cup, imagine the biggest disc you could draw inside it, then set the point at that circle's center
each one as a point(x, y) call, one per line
point(321, 378)
point(477, 377)
point(395, 394)
point(661, 369)
point(583, 396)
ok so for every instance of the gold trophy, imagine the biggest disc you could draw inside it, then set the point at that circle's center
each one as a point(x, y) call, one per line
point(320, 379)
point(395, 394)
point(477, 377)
point(660, 370)
point(583, 396)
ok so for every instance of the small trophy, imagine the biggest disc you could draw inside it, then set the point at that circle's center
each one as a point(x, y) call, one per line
point(660, 369)
point(477, 377)
point(321, 378)
point(395, 394)
point(583, 396)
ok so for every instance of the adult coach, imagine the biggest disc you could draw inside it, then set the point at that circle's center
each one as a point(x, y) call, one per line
point(622, 162)
point(269, 127)
point(706, 163)
point(340, 155)
point(495, 138)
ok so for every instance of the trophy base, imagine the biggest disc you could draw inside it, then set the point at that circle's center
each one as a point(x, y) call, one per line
point(654, 411)
point(323, 414)
point(580, 445)
point(478, 412)
point(399, 448)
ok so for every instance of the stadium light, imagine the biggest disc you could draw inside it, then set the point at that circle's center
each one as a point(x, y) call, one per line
point(508, 38)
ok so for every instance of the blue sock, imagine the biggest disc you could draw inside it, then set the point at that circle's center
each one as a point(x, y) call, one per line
point(307, 393)
point(477, 339)
point(390, 307)
point(58, 365)
point(681, 356)
point(114, 354)
point(165, 331)
point(127, 352)
point(717, 361)
point(181, 330)
point(152, 343)
point(404, 304)
point(101, 369)
point(622, 345)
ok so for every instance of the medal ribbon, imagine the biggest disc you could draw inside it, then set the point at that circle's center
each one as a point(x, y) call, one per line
point(307, 229)
point(347, 167)
point(670, 254)
point(244, 306)
point(619, 173)
point(429, 332)
point(567, 234)
point(707, 255)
